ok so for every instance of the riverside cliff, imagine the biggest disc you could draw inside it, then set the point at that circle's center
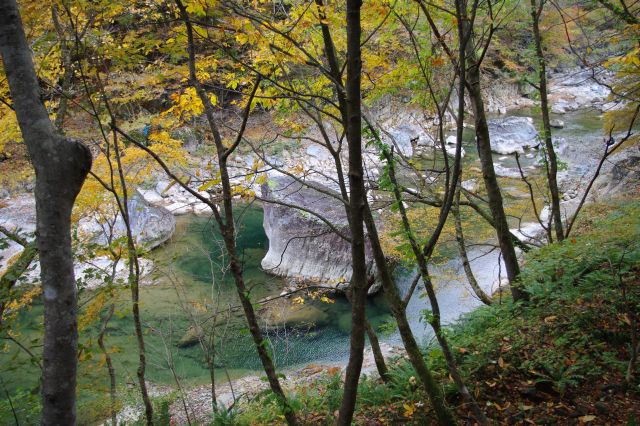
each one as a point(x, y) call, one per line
point(301, 246)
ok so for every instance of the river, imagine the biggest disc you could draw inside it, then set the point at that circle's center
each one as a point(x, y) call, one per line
point(189, 282)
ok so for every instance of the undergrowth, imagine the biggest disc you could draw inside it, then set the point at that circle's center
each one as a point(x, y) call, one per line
point(561, 358)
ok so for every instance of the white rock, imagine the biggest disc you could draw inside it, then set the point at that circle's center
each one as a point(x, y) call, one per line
point(178, 208)
point(512, 134)
point(471, 185)
point(556, 124)
point(151, 196)
point(202, 209)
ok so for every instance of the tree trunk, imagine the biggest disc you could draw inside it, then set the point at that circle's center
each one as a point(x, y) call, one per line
point(378, 357)
point(61, 166)
point(483, 143)
point(552, 169)
point(479, 292)
point(134, 283)
point(398, 310)
point(108, 361)
point(434, 319)
point(227, 226)
point(357, 202)
point(381, 365)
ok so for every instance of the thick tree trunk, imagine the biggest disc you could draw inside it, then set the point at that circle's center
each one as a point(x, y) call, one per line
point(552, 166)
point(357, 202)
point(61, 166)
point(483, 143)
point(339, 91)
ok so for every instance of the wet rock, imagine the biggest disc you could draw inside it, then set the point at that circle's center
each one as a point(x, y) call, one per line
point(512, 134)
point(293, 316)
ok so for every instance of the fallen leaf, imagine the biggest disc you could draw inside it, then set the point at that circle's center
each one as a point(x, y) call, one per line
point(409, 409)
point(588, 418)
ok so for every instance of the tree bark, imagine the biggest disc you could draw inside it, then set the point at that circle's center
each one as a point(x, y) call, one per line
point(552, 169)
point(479, 292)
point(61, 166)
point(339, 90)
point(357, 202)
point(134, 283)
point(378, 357)
point(109, 362)
point(483, 143)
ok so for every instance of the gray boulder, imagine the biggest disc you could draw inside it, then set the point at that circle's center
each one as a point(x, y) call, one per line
point(150, 225)
point(301, 246)
point(557, 124)
point(512, 134)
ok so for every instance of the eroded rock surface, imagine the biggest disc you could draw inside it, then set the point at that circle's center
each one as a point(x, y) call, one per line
point(301, 246)
point(151, 227)
point(576, 89)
